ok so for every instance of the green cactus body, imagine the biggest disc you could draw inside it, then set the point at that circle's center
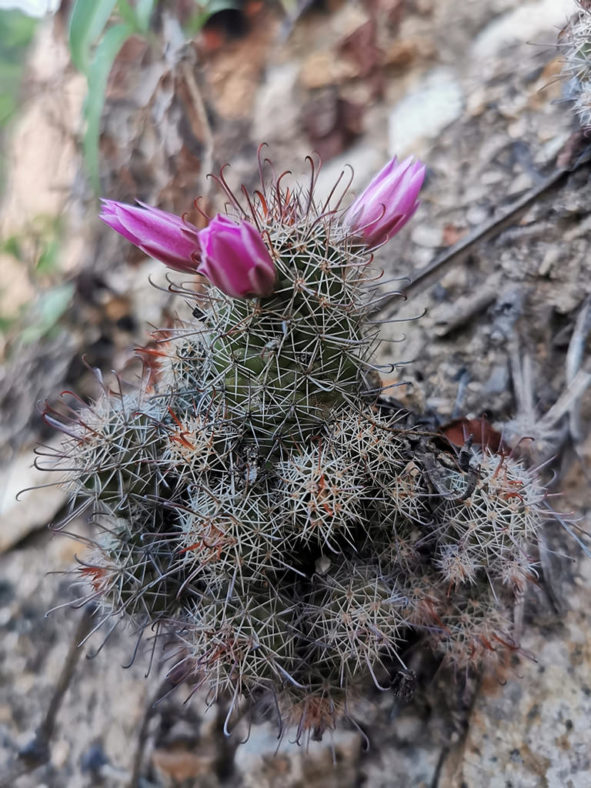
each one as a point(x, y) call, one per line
point(284, 362)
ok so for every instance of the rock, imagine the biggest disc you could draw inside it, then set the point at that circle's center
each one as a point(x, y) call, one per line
point(426, 235)
point(233, 73)
point(403, 52)
point(498, 380)
point(476, 215)
point(322, 69)
point(360, 47)
point(276, 110)
point(263, 762)
point(331, 123)
point(35, 508)
point(523, 23)
point(94, 758)
point(534, 729)
point(365, 161)
point(177, 764)
point(403, 767)
point(424, 112)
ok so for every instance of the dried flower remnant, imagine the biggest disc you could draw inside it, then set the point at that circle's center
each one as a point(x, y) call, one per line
point(256, 505)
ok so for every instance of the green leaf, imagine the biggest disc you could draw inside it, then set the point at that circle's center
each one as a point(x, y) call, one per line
point(143, 12)
point(8, 107)
point(51, 306)
point(87, 22)
point(212, 7)
point(127, 13)
point(48, 259)
point(16, 30)
point(6, 323)
point(98, 75)
point(9, 75)
point(137, 15)
point(12, 246)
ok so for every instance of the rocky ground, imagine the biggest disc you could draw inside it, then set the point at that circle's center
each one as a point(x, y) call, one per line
point(472, 89)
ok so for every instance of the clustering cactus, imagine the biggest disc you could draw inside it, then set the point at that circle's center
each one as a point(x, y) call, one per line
point(259, 504)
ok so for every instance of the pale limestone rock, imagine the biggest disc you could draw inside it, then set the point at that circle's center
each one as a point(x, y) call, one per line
point(425, 111)
point(263, 762)
point(35, 508)
point(534, 729)
point(523, 23)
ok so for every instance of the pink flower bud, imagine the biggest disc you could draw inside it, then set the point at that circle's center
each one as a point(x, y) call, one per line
point(162, 235)
point(389, 201)
point(235, 259)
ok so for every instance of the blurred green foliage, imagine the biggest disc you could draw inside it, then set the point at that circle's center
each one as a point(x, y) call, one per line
point(98, 30)
point(95, 42)
point(37, 247)
point(45, 313)
point(16, 33)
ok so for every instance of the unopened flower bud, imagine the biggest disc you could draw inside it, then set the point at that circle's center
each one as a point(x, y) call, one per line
point(235, 259)
point(389, 201)
point(162, 235)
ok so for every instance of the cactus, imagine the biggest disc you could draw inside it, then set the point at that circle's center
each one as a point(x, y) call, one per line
point(493, 528)
point(255, 502)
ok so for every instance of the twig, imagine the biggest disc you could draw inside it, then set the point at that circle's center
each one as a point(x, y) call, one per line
point(164, 688)
point(574, 358)
point(466, 309)
point(458, 252)
point(547, 576)
point(37, 752)
point(208, 140)
point(521, 372)
point(567, 400)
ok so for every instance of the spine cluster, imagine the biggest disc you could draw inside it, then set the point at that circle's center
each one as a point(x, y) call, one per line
point(259, 504)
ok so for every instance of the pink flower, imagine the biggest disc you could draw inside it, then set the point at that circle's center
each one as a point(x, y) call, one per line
point(235, 259)
point(162, 235)
point(389, 201)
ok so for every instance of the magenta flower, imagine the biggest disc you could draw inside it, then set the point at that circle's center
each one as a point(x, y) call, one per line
point(162, 235)
point(387, 204)
point(235, 259)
